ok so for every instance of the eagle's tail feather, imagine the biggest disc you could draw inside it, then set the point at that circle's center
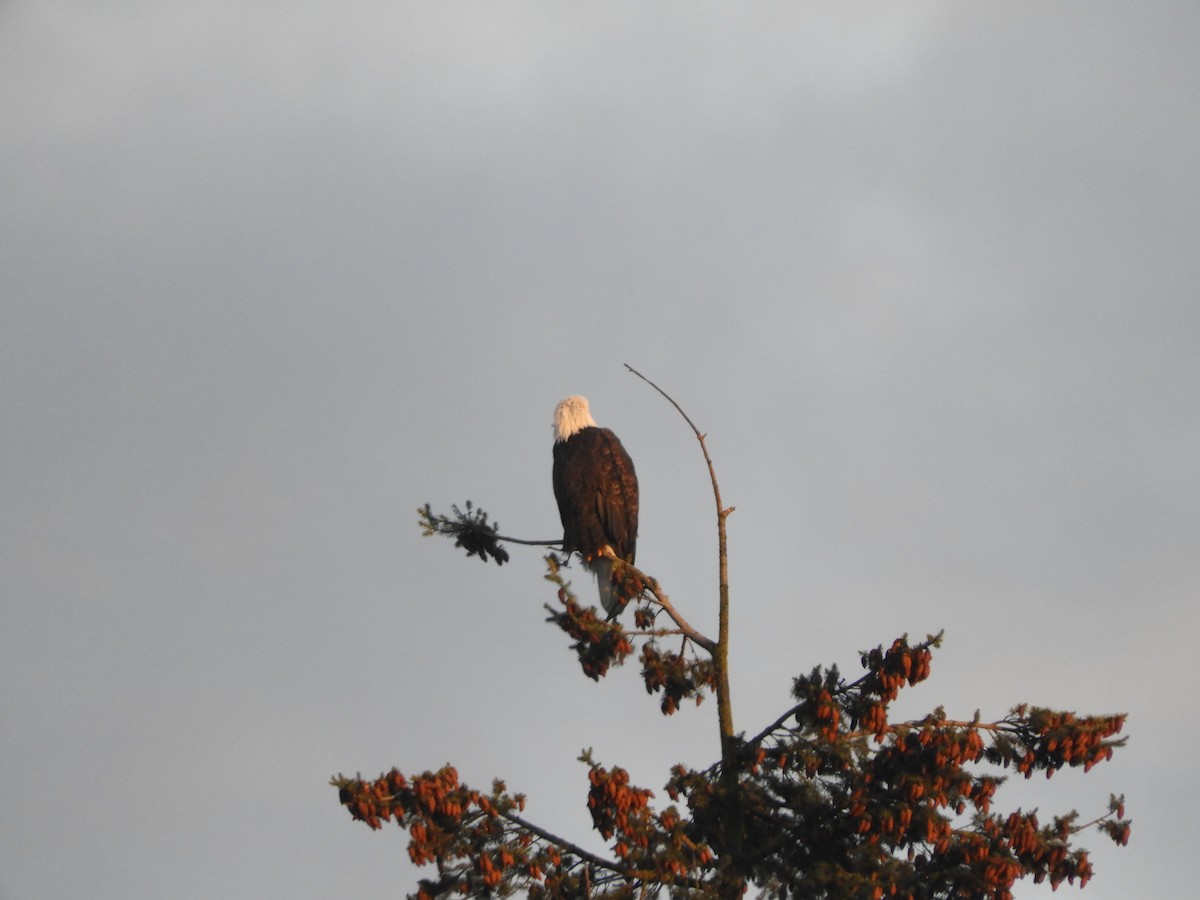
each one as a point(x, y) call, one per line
point(610, 596)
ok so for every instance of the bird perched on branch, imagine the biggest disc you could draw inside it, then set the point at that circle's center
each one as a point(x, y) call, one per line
point(597, 493)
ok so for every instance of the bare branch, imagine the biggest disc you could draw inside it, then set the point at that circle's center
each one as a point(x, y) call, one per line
point(661, 598)
point(562, 843)
point(721, 651)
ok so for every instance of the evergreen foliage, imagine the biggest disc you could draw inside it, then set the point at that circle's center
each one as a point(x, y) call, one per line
point(832, 801)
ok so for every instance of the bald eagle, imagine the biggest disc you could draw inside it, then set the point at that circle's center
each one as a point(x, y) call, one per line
point(597, 493)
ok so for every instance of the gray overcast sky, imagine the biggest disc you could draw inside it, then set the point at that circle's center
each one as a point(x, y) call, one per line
point(272, 275)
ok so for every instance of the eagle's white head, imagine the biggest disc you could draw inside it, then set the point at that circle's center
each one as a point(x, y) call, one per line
point(571, 416)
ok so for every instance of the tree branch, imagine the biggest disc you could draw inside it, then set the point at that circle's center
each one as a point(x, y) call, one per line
point(553, 542)
point(562, 843)
point(473, 532)
point(661, 598)
point(721, 651)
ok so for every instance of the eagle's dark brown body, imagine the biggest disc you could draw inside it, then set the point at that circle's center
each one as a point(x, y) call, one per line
point(597, 492)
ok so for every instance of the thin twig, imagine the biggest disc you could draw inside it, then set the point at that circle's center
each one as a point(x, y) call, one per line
point(778, 723)
point(661, 598)
point(1075, 829)
point(554, 542)
point(720, 652)
point(1000, 726)
point(563, 843)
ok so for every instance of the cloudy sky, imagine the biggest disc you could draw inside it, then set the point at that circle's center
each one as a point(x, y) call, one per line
point(272, 275)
